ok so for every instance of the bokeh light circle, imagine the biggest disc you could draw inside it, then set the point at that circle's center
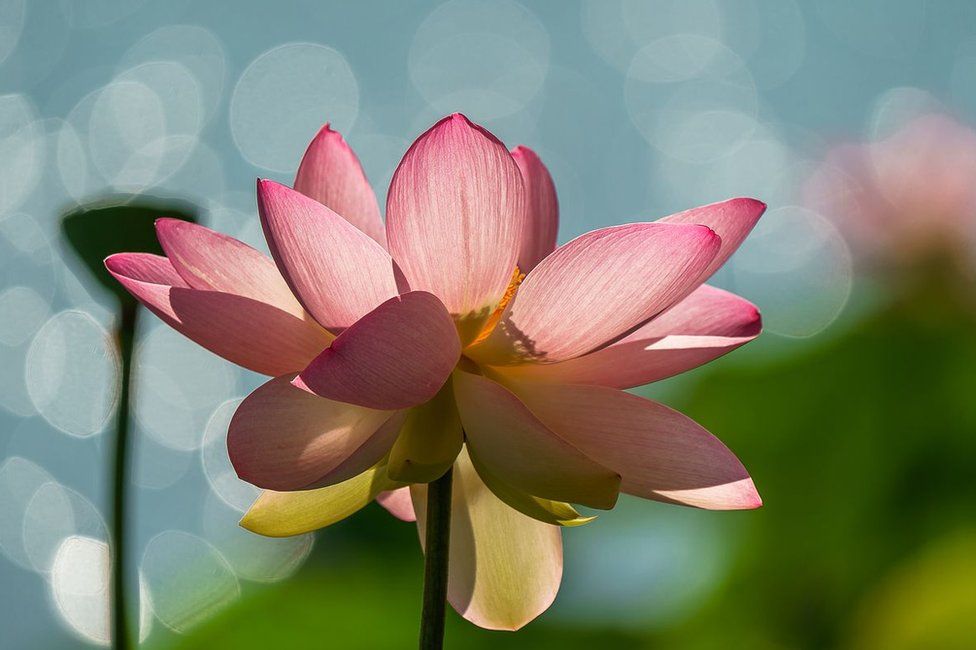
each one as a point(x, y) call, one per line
point(20, 479)
point(22, 312)
point(188, 579)
point(74, 161)
point(486, 59)
point(72, 373)
point(798, 267)
point(617, 29)
point(253, 557)
point(763, 166)
point(195, 48)
point(80, 586)
point(284, 97)
point(898, 106)
point(144, 124)
point(22, 144)
point(770, 35)
point(180, 385)
point(691, 97)
point(234, 492)
point(54, 513)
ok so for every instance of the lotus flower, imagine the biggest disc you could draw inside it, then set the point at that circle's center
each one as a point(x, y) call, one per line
point(459, 335)
point(904, 199)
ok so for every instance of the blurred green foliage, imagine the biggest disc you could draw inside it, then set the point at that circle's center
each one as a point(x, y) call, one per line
point(863, 448)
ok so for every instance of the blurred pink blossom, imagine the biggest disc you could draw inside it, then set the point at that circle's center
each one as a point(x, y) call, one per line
point(905, 199)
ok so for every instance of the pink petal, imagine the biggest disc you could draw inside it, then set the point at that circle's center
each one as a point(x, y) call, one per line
point(505, 568)
point(454, 217)
point(731, 220)
point(331, 174)
point(659, 453)
point(397, 356)
point(597, 287)
point(252, 334)
point(338, 273)
point(283, 438)
point(513, 444)
point(542, 210)
point(702, 327)
point(210, 260)
point(398, 503)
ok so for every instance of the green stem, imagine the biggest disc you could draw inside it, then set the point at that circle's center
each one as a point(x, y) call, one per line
point(437, 543)
point(121, 636)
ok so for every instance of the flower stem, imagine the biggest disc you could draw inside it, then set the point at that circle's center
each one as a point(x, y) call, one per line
point(121, 636)
point(437, 543)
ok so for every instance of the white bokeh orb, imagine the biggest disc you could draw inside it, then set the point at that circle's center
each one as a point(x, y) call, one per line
point(284, 97)
point(72, 373)
point(188, 579)
point(486, 59)
point(80, 589)
point(691, 97)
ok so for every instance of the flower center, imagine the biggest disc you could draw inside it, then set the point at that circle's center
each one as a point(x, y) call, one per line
point(513, 285)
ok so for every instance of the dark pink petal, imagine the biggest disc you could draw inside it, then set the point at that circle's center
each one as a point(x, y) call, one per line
point(397, 356)
point(454, 217)
point(337, 272)
point(284, 438)
point(542, 210)
point(659, 453)
point(250, 333)
point(731, 220)
point(702, 327)
point(210, 260)
point(398, 503)
point(595, 288)
point(331, 174)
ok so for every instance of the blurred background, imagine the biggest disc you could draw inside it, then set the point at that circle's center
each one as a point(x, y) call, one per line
point(854, 412)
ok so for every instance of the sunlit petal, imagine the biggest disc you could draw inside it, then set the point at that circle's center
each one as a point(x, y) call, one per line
point(505, 568)
point(331, 174)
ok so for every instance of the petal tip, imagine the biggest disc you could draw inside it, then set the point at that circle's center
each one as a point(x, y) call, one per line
point(753, 500)
point(327, 133)
point(166, 224)
point(460, 121)
point(112, 262)
point(757, 206)
point(755, 318)
point(269, 185)
point(270, 191)
point(748, 496)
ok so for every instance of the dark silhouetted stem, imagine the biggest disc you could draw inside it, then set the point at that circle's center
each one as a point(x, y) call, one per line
point(121, 634)
point(437, 544)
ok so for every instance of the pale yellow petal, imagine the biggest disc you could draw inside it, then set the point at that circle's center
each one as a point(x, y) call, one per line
point(283, 514)
point(429, 440)
point(505, 568)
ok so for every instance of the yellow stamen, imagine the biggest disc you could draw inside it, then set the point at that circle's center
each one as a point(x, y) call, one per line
point(513, 285)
